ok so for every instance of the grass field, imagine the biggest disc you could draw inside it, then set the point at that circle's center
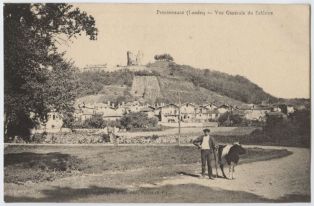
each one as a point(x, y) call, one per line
point(47, 163)
point(195, 131)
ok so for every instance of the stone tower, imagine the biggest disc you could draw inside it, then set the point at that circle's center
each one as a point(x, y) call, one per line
point(131, 59)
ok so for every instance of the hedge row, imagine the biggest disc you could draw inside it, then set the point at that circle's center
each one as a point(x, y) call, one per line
point(257, 137)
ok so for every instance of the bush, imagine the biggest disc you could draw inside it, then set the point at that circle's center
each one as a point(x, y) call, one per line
point(164, 57)
point(106, 137)
point(146, 73)
point(229, 119)
point(292, 130)
point(95, 121)
point(137, 120)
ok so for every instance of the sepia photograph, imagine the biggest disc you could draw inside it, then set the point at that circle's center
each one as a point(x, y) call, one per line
point(156, 103)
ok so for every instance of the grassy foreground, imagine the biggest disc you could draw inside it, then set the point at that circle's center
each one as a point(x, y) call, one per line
point(47, 163)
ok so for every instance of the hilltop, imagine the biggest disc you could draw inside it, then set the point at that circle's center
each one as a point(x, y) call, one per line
point(163, 81)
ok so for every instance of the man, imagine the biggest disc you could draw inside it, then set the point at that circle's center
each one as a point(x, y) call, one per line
point(112, 134)
point(207, 144)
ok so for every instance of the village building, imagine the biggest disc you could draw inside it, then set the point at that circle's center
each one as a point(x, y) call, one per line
point(290, 109)
point(169, 113)
point(150, 111)
point(83, 112)
point(276, 108)
point(187, 111)
point(213, 115)
point(52, 124)
point(223, 108)
point(211, 106)
point(277, 115)
point(257, 113)
point(202, 114)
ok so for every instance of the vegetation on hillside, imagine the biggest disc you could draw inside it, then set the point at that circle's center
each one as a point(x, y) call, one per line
point(163, 57)
point(210, 85)
point(92, 82)
point(236, 87)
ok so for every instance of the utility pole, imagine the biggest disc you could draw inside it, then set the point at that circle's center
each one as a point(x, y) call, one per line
point(179, 118)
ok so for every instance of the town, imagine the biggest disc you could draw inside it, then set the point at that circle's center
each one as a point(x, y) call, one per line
point(189, 114)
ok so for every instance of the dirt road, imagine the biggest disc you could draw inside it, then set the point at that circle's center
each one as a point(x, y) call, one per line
point(271, 179)
point(282, 179)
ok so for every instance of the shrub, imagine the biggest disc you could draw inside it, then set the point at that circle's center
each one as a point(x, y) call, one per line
point(229, 119)
point(95, 121)
point(146, 73)
point(137, 120)
point(164, 57)
point(106, 137)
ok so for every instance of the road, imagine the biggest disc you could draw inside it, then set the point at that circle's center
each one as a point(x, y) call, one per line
point(272, 179)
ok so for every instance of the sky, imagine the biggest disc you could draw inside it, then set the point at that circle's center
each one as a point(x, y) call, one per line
point(270, 50)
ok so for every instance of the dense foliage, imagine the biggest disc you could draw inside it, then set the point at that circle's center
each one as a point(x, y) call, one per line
point(37, 79)
point(296, 128)
point(138, 120)
point(92, 82)
point(236, 87)
point(163, 57)
point(95, 122)
point(230, 119)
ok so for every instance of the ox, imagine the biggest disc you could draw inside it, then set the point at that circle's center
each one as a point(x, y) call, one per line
point(229, 154)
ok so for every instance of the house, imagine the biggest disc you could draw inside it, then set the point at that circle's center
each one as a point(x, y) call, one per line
point(83, 112)
point(276, 115)
point(211, 106)
point(253, 112)
point(53, 123)
point(112, 117)
point(202, 114)
point(213, 115)
point(223, 108)
point(276, 108)
point(187, 112)
point(290, 109)
point(169, 113)
point(257, 113)
point(150, 111)
point(134, 106)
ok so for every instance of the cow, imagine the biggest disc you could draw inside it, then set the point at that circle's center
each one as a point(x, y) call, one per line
point(229, 154)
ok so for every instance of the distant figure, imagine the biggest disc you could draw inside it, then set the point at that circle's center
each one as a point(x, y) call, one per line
point(207, 144)
point(112, 135)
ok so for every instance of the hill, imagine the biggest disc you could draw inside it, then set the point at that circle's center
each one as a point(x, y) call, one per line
point(162, 81)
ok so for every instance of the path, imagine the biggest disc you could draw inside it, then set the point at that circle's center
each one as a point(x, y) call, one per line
point(271, 179)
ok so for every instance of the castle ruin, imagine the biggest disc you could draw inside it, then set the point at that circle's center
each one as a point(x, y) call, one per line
point(134, 60)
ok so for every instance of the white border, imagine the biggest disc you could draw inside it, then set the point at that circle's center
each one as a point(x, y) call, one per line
point(140, 1)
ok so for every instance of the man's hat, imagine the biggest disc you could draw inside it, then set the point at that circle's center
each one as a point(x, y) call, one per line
point(206, 130)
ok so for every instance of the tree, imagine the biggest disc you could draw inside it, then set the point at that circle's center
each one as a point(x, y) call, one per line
point(164, 57)
point(36, 78)
point(229, 119)
point(137, 120)
point(95, 121)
